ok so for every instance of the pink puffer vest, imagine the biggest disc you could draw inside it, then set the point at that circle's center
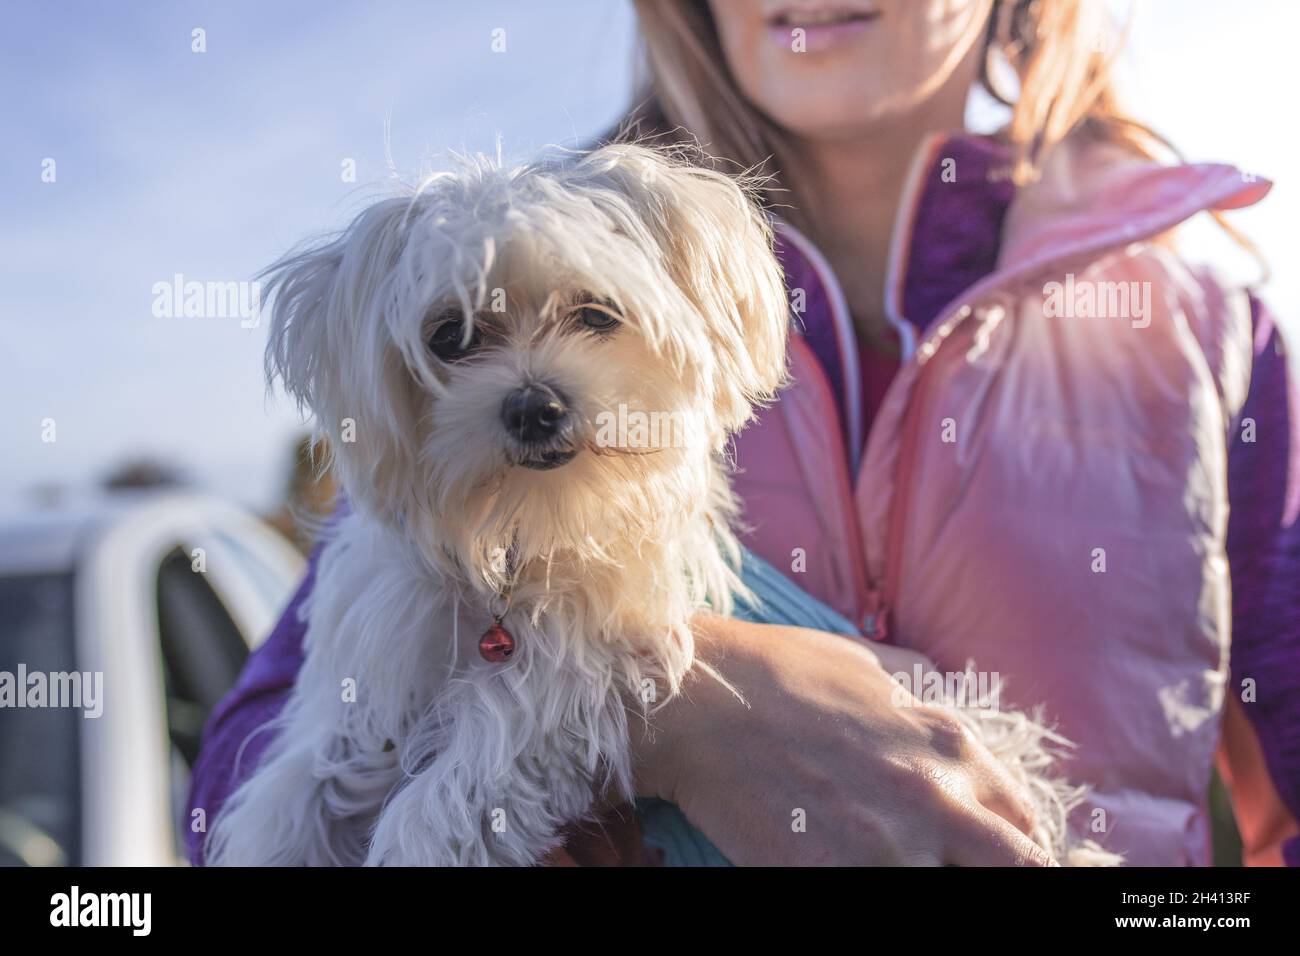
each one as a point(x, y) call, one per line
point(1044, 488)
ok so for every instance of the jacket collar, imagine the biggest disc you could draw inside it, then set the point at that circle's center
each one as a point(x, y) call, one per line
point(946, 237)
point(962, 218)
point(963, 225)
point(1092, 195)
point(961, 215)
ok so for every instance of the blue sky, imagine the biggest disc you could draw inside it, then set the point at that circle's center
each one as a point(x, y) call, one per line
point(213, 164)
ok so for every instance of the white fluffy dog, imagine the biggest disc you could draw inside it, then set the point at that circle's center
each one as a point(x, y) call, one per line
point(528, 378)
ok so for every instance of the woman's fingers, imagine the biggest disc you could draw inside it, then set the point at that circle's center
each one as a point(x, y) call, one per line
point(997, 790)
point(993, 785)
point(986, 839)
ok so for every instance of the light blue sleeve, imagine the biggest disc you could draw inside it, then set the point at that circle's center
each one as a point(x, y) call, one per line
point(776, 601)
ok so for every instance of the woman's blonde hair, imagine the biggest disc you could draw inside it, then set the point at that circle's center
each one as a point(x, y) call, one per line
point(1061, 53)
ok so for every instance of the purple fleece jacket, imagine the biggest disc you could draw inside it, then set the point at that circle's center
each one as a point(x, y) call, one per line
point(955, 242)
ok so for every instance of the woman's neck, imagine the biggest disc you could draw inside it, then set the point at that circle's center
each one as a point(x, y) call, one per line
point(852, 222)
point(857, 185)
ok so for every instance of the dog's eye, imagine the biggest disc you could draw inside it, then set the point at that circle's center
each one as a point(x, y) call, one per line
point(597, 318)
point(448, 339)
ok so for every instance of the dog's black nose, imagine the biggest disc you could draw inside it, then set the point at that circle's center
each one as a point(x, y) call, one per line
point(534, 413)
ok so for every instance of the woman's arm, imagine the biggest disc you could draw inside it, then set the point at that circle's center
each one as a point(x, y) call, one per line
point(1259, 755)
point(879, 784)
point(819, 732)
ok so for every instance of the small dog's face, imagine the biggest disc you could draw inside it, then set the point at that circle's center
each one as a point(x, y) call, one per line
point(538, 358)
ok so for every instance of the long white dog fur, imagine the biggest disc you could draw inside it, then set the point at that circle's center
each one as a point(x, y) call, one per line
point(620, 279)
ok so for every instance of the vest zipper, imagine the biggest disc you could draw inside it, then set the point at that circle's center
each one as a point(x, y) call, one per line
point(882, 593)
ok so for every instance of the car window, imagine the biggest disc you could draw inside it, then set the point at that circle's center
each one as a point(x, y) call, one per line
point(40, 791)
point(202, 649)
point(203, 653)
point(269, 582)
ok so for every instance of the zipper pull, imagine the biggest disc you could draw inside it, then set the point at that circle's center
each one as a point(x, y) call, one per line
point(875, 623)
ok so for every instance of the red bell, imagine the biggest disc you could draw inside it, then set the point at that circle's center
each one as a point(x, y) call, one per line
point(496, 644)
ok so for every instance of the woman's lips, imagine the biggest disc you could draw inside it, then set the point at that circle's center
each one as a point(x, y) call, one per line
point(822, 29)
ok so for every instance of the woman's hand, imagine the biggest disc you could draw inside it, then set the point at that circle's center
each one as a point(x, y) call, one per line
point(821, 765)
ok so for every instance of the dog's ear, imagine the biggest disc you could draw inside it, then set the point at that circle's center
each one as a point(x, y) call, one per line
point(331, 346)
point(718, 247)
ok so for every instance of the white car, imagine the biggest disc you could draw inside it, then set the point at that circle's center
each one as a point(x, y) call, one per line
point(163, 594)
